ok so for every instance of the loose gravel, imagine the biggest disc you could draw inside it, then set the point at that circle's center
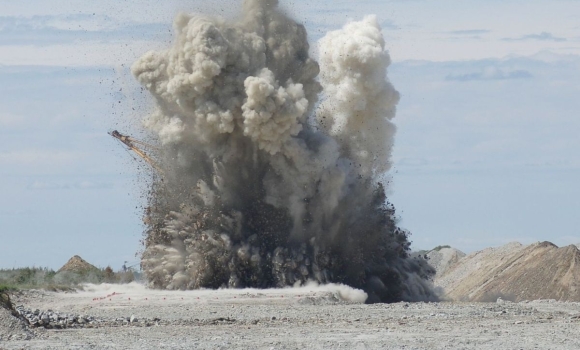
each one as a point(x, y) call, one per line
point(315, 318)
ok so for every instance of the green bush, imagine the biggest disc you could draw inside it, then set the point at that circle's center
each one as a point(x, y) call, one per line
point(4, 288)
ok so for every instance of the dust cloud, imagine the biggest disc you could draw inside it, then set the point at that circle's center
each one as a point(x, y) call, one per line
point(274, 164)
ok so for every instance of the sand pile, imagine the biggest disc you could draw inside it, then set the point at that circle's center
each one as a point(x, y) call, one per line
point(444, 258)
point(77, 264)
point(514, 272)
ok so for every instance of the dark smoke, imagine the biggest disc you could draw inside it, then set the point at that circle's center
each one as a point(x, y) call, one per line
point(263, 184)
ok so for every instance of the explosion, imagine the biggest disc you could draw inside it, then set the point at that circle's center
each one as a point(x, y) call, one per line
point(273, 164)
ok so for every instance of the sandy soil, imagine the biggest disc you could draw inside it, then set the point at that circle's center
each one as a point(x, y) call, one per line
point(330, 317)
point(514, 271)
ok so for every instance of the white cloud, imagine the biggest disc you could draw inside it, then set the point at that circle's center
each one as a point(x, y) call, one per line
point(543, 36)
point(38, 157)
point(61, 29)
point(488, 113)
point(426, 31)
point(8, 120)
point(76, 55)
point(468, 32)
point(65, 185)
point(437, 49)
point(143, 11)
point(411, 162)
point(490, 73)
point(92, 185)
point(12, 213)
point(553, 57)
point(86, 22)
point(43, 185)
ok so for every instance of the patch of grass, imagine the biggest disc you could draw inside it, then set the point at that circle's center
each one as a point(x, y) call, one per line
point(5, 298)
point(5, 288)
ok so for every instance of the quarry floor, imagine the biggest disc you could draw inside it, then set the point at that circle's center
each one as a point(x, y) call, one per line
point(330, 317)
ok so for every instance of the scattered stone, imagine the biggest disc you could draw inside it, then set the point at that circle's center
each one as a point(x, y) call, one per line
point(12, 325)
point(54, 320)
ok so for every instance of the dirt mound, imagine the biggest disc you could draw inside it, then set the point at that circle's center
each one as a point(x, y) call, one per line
point(78, 265)
point(443, 259)
point(515, 272)
point(486, 260)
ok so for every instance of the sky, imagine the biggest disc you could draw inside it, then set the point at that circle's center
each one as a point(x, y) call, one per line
point(487, 148)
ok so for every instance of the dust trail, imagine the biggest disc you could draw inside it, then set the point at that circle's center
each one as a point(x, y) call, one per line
point(138, 291)
point(264, 184)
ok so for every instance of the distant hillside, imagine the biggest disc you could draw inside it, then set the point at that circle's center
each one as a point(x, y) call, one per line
point(443, 258)
point(514, 271)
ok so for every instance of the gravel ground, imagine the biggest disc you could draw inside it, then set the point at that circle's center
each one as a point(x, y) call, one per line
point(330, 317)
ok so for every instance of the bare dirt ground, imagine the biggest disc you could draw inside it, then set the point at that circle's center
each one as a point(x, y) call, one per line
point(330, 317)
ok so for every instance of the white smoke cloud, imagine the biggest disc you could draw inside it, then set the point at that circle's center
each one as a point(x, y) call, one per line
point(360, 102)
point(169, 129)
point(252, 194)
point(272, 113)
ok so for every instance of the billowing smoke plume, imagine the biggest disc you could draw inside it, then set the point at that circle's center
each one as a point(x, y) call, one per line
point(265, 185)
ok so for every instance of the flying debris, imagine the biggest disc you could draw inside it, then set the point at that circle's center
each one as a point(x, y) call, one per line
point(131, 143)
point(273, 163)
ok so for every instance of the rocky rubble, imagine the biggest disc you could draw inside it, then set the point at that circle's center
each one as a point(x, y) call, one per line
point(285, 319)
point(12, 327)
point(50, 319)
point(54, 320)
